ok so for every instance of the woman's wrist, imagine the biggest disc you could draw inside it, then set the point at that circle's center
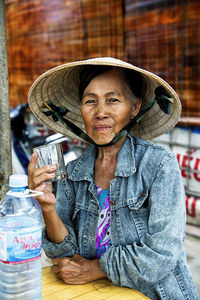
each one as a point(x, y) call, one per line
point(48, 212)
point(98, 273)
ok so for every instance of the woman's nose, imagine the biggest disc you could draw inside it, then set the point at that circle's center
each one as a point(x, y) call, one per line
point(101, 111)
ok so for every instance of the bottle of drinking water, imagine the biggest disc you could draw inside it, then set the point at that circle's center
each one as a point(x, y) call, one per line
point(20, 242)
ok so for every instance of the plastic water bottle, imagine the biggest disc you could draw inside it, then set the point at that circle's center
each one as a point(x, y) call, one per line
point(20, 242)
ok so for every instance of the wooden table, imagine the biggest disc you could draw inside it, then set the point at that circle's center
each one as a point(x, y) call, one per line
point(55, 289)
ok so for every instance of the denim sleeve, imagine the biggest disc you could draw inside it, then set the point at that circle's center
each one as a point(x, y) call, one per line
point(64, 207)
point(156, 255)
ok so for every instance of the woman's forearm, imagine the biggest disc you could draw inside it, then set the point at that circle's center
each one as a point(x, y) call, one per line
point(55, 229)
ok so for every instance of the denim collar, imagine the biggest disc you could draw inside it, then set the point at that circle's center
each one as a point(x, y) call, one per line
point(84, 167)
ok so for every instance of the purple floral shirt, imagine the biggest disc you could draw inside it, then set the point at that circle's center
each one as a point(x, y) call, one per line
point(103, 228)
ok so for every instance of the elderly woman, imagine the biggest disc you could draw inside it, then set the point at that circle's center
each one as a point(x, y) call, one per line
point(120, 213)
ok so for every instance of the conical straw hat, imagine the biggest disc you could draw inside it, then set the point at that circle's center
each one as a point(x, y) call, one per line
point(60, 86)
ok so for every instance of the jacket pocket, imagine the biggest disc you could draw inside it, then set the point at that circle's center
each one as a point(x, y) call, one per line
point(139, 204)
point(84, 210)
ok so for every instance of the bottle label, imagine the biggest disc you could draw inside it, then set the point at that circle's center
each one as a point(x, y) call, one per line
point(21, 245)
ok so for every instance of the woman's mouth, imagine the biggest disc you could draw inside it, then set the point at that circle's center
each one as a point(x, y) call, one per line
point(102, 128)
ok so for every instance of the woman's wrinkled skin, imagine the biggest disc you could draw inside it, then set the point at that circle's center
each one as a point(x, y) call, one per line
point(106, 108)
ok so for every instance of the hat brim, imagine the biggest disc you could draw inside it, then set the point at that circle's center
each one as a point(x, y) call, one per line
point(60, 85)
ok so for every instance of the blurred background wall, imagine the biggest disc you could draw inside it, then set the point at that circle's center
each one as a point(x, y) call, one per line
point(162, 36)
point(43, 34)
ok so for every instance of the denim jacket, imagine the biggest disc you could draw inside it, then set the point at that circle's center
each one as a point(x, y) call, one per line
point(147, 203)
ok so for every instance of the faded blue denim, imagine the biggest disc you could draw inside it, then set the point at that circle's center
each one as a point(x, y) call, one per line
point(147, 220)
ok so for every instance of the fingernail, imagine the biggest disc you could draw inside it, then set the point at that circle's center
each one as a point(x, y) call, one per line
point(53, 167)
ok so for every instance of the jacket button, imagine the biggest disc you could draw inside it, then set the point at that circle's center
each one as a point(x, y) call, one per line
point(143, 194)
point(112, 202)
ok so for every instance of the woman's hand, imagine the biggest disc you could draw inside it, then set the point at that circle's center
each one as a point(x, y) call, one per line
point(36, 178)
point(77, 270)
point(55, 229)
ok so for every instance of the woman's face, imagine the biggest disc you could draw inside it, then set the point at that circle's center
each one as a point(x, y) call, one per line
point(106, 107)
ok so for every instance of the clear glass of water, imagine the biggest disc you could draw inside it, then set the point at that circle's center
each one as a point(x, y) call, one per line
point(51, 154)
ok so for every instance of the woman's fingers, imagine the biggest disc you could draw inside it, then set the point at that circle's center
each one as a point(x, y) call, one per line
point(65, 265)
point(39, 179)
point(45, 169)
point(59, 260)
point(76, 269)
point(38, 175)
point(32, 163)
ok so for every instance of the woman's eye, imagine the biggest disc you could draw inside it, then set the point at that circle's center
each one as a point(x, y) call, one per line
point(90, 101)
point(112, 100)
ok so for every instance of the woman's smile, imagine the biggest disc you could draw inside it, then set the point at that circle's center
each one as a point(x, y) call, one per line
point(102, 128)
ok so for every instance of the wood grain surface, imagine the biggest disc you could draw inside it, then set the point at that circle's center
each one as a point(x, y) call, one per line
point(53, 288)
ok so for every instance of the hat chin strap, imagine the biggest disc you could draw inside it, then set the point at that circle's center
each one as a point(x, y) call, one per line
point(58, 112)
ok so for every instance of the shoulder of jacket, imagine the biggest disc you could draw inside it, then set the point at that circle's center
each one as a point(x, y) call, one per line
point(72, 164)
point(148, 145)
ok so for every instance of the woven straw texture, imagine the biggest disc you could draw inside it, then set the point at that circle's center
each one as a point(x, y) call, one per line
point(60, 85)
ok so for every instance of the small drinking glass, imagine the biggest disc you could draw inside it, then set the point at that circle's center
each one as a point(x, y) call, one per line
point(51, 154)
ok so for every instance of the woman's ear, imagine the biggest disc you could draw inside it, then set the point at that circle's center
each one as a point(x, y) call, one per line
point(136, 108)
